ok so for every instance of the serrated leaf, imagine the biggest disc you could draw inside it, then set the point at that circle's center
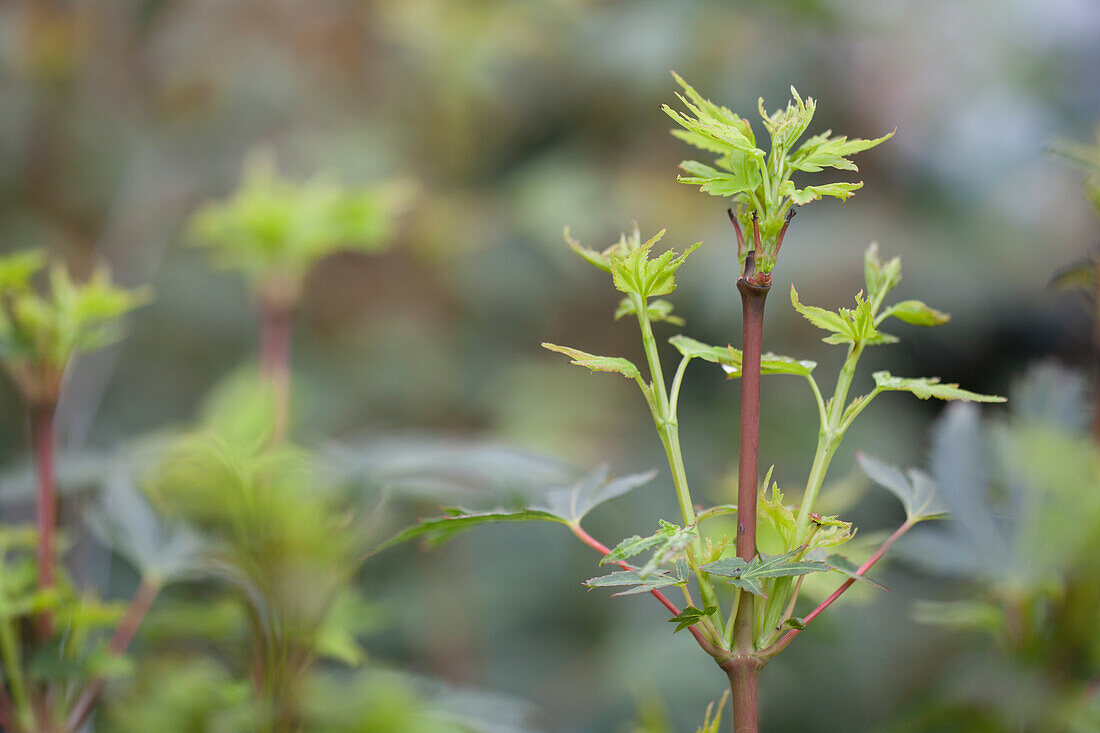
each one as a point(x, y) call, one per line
point(823, 319)
point(673, 547)
point(749, 576)
point(620, 578)
point(632, 546)
point(917, 492)
point(658, 311)
point(844, 566)
point(691, 616)
point(615, 364)
point(916, 313)
point(769, 364)
point(778, 514)
point(927, 387)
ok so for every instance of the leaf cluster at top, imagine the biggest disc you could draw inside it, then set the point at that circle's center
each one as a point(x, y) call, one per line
point(760, 182)
point(273, 229)
point(41, 330)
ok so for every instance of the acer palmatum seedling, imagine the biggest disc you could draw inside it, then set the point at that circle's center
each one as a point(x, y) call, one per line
point(738, 605)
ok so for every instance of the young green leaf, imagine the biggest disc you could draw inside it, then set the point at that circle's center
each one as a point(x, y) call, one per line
point(915, 313)
point(619, 578)
point(636, 274)
point(749, 576)
point(691, 616)
point(823, 319)
point(657, 311)
point(697, 349)
point(927, 387)
point(880, 278)
point(918, 493)
point(630, 547)
point(597, 363)
point(759, 182)
point(674, 544)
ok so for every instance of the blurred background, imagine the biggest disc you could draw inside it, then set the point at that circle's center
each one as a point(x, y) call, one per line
point(515, 119)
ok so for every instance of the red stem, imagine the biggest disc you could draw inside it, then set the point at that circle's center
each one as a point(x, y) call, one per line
point(743, 673)
point(127, 627)
point(46, 505)
point(276, 329)
point(863, 569)
point(661, 597)
point(7, 711)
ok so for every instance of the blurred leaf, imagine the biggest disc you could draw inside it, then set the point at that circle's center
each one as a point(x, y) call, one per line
point(565, 505)
point(714, 724)
point(917, 492)
point(657, 311)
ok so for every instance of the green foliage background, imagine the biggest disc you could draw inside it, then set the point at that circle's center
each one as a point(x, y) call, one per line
point(516, 118)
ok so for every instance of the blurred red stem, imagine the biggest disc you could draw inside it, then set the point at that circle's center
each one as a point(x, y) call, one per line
point(276, 329)
point(46, 505)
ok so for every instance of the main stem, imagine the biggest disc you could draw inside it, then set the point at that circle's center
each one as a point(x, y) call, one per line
point(46, 505)
point(275, 361)
point(744, 670)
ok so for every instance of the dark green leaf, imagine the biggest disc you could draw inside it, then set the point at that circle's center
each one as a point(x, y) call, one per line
point(655, 581)
point(691, 616)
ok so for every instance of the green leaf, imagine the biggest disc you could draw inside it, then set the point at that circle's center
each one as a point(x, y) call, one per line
point(673, 547)
point(635, 273)
point(749, 576)
point(562, 504)
point(776, 512)
point(654, 581)
point(802, 196)
point(880, 279)
point(916, 313)
point(823, 319)
point(846, 567)
point(822, 151)
point(927, 387)
point(657, 311)
point(917, 492)
point(697, 349)
point(632, 546)
point(691, 616)
point(598, 363)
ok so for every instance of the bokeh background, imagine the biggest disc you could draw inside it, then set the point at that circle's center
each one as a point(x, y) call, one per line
point(514, 119)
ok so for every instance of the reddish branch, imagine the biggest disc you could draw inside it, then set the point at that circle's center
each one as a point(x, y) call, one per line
point(128, 626)
point(863, 570)
point(603, 549)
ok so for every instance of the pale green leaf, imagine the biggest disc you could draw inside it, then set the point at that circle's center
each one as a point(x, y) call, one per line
point(615, 364)
point(928, 387)
point(621, 578)
point(916, 313)
point(917, 492)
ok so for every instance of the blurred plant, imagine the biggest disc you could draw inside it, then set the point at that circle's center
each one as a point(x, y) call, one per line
point(274, 231)
point(1083, 276)
point(1024, 547)
point(761, 590)
point(282, 538)
point(48, 673)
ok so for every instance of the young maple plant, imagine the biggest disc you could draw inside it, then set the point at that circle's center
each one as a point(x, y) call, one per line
point(740, 605)
point(46, 621)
